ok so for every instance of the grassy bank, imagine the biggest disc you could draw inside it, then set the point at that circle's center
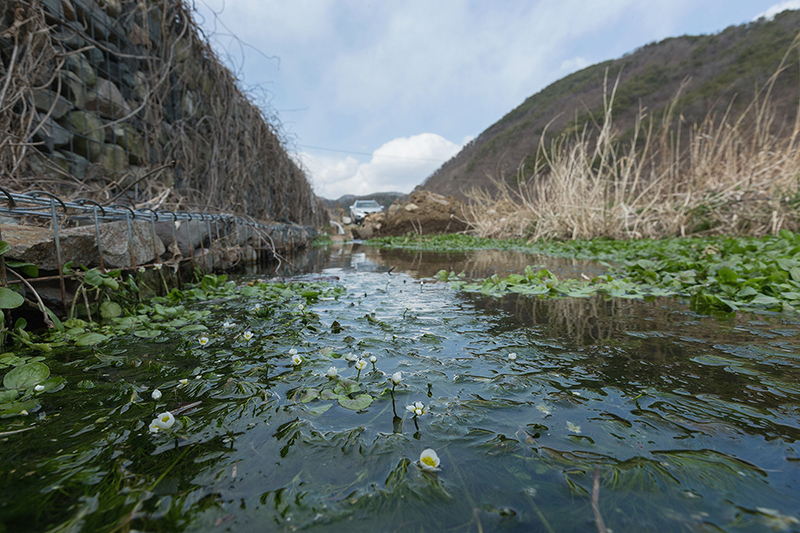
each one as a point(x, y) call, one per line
point(717, 274)
point(733, 173)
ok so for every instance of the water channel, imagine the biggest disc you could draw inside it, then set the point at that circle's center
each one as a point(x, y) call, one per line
point(546, 415)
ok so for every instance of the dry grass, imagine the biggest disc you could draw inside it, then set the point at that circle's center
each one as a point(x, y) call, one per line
point(735, 175)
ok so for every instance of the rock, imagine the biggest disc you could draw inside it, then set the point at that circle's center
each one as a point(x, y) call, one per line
point(107, 100)
point(127, 137)
point(37, 245)
point(114, 160)
point(45, 100)
point(411, 207)
point(89, 135)
point(77, 165)
point(112, 7)
point(8, 221)
point(72, 88)
point(99, 25)
point(138, 35)
point(78, 64)
point(69, 10)
point(49, 132)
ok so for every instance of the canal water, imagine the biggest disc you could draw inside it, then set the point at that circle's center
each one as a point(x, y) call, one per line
point(572, 414)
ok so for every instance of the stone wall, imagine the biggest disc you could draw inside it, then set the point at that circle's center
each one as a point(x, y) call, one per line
point(124, 101)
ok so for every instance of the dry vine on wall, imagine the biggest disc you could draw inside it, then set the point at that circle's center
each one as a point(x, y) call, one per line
point(125, 102)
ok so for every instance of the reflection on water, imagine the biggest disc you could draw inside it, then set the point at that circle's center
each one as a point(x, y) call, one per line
point(686, 422)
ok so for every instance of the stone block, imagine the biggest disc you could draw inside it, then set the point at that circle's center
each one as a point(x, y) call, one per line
point(78, 166)
point(98, 24)
point(72, 88)
point(49, 132)
point(69, 10)
point(107, 100)
point(114, 160)
point(44, 100)
point(128, 138)
point(37, 245)
point(89, 135)
point(78, 64)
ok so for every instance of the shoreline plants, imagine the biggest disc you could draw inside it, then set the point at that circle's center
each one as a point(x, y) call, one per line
point(730, 174)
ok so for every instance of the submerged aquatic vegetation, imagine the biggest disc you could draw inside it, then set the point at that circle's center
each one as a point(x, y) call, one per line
point(259, 441)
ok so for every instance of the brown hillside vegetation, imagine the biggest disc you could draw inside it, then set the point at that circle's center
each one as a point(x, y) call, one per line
point(712, 70)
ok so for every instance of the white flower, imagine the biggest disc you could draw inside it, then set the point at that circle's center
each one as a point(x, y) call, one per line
point(428, 460)
point(332, 372)
point(183, 382)
point(39, 388)
point(162, 422)
point(351, 357)
point(297, 360)
point(573, 427)
point(512, 356)
point(300, 307)
point(397, 377)
point(292, 351)
point(247, 335)
point(256, 307)
point(157, 266)
point(373, 359)
point(228, 324)
point(141, 269)
point(410, 408)
point(203, 341)
point(418, 408)
point(361, 364)
point(156, 394)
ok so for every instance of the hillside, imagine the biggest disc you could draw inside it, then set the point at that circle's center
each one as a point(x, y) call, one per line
point(716, 69)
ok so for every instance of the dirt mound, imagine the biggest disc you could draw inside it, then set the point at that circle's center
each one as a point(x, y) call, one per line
point(423, 212)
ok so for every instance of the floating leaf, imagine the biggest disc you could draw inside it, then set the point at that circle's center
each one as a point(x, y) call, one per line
point(25, 376)
point(88, 339)
point(360, 402)
point(16, 408)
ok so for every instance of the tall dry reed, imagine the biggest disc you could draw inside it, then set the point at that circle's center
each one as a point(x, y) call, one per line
point(735, 175)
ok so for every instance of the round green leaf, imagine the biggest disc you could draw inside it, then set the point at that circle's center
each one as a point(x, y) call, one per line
point(362, 401)
point(88, 339)
point(25, 376)
point(10, 299)
point(110, 310)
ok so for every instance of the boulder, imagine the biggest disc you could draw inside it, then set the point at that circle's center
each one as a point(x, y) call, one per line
point(107, 100)
point(37, 245)
point(72, 88)
point(126, 136)
point(423, 212)
point(49, 132)
point(78, 64)
point(114, 160)
point(45, 100)
point(89, 135)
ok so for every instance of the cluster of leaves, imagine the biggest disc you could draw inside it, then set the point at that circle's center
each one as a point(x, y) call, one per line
point(718, 274)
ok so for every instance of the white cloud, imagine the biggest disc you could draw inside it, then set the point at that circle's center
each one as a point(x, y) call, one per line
point(397, 166)
point(771, 11)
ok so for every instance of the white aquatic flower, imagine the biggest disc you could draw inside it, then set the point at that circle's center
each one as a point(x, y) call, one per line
point(573, 427)
point(141, 269)
point(228, 324)
point(397, 377)
point(165, 420)
point(296, 359)
point(418, 408)
point(39, 388)
point(256, 307)
point(154, 426)
point(428, 460)
point(247, 335)
point(373, 359)
point(203, 340)
point(544, 408)
point(512, 356)
point(332, 372)
point(183, 382)
point(410, 408)
point(351, 357)
point(301, 307)
point(361, 364)
point(157, 266)
point(292, 351)
point(156, 394)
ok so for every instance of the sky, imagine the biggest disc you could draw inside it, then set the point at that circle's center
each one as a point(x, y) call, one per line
point(374, 96)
